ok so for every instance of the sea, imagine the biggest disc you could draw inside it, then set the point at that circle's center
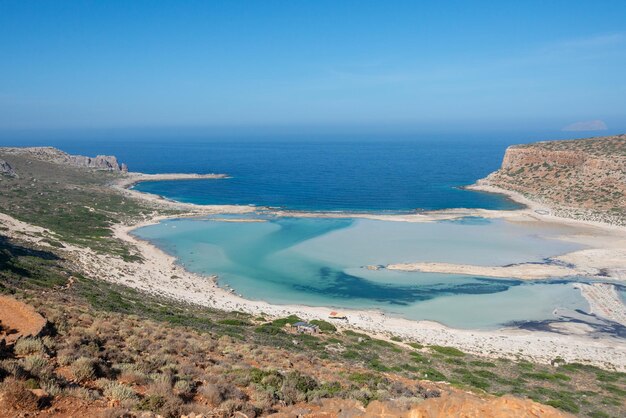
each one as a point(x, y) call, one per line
point(323, 262)
point(342, 173)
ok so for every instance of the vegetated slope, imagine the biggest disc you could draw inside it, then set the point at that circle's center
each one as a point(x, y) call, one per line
point(582, 178)
point(111, 349)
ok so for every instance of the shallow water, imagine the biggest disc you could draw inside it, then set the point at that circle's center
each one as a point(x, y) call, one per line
point(321, 262)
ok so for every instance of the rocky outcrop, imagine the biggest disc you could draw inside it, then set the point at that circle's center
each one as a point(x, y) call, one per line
point(50, 154)
point(18, 320)
point(6, 169)
point(101, 162)
point(584, 179)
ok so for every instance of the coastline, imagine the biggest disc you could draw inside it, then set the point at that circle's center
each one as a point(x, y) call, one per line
point(160, 274)
point(125, 183)
point(506, 342)
point(378, 324)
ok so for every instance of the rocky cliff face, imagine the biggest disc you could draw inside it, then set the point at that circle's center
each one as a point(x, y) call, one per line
point(50, 154)
point(583, 178)
point(6, 169)
point(101, 162)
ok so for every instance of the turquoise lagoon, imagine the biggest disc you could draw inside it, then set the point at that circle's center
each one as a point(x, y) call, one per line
point(321, 262)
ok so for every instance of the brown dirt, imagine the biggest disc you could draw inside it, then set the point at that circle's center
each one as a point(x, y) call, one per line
point(18, 319)
point(454, 403)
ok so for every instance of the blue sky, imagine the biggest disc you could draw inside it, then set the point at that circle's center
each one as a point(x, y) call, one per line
point(446, 65)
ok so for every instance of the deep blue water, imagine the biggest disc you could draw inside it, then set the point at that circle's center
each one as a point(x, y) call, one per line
point(338, 176)
point(375, 175)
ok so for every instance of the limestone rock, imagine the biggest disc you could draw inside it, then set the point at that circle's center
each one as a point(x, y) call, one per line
point(53, 155)
point(6, 169)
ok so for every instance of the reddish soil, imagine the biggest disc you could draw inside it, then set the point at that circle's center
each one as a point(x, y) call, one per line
point(18, 319)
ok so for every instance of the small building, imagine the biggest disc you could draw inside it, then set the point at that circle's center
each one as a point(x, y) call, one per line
point(305, 327)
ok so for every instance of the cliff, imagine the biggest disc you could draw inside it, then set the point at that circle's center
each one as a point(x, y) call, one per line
point(50, 154)
point(582, 179)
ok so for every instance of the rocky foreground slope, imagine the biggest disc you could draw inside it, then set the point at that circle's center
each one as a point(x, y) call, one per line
point(581, 179)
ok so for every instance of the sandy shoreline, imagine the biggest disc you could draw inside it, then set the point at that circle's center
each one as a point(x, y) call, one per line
point(524, 271)
point(124, 185)
point(161, 275)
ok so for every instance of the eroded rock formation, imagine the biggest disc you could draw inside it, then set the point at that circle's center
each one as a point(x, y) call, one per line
point(100, 162)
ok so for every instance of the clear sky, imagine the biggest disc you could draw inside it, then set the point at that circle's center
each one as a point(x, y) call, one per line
point(441, 65)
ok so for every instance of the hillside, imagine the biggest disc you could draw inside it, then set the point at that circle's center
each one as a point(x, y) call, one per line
point(581, 179)
point(109, 350)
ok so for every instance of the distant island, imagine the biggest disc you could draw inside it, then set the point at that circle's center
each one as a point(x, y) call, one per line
point(93, 319)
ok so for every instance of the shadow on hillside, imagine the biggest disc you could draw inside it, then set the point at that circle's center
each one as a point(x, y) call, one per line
point(9, 252)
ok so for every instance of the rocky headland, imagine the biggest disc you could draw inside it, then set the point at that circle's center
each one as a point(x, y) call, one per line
point(581, 179)
point(54, 155)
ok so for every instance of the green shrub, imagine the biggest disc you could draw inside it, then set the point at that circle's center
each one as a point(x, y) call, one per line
point(324, 325)
point(418, 357)
point(448, 351)
point(291, 319)
point(355, 334)
point(365, 378)
point(151, 403)
point(234, 322)
point(480, 363)
point(83, 369)
point(614, 389)
point(434, 375)
point(268, 329)
point(31, 384)
point(28, 346)
point(351, 354)
point(378, 366)
point(118, 392)
point(547, 376)
point(566, 405)
point(37, 365)
point(599, 414)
